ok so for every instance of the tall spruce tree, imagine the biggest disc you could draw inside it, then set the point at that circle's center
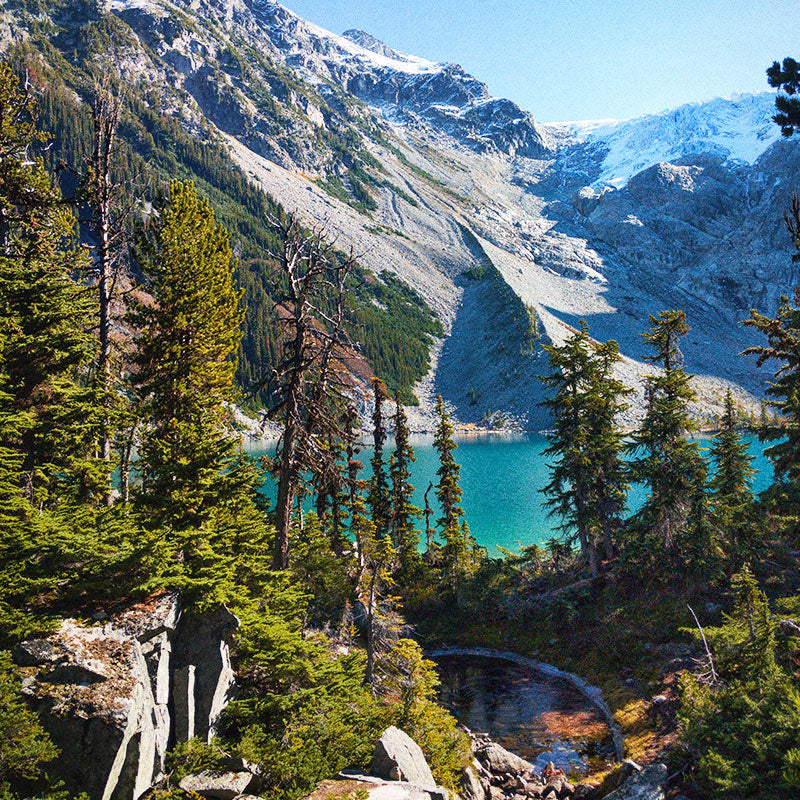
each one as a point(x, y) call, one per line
point(404, 534)
point(731, 481)
point(732, 499)
point(783, 347)
point(378, 496)
point(460, 554)
point(588, 485)
point(48, 415)
point(667, 460)
point(185, 360)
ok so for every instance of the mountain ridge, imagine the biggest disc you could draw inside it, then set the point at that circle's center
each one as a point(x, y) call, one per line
point(422, 179)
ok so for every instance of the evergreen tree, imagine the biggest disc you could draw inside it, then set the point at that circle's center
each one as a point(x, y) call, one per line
point(308, 385)
point(787, 78)
point(732, 498)
point(672, 517)
point(741, 729)
point(355, 504)
point(24, 745)
point(460, 554)
point(185, 360)
point(403, 512)
point(588, 486)
point(48, 415)
point(783, 347)
point(378, 497)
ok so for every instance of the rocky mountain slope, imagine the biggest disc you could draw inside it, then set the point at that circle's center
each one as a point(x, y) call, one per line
point(510, 230)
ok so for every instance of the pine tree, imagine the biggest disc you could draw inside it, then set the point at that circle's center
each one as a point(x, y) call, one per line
point(48, 415)
point(783, 347)
point(355, 505)
point(742, 728)
point(378, 497)
point(671, 465)
point(25, 746)
point(107, 225)
point(732, 498)
point(460, 554)
point(185, 360)
point(589, 484)
point(731, 481)
point(786, 77)
point(403, 512)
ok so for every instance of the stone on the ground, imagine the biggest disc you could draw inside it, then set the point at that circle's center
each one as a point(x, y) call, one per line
point(500, 761)
point(647, 784)
point(397, 757)
point(217, 785)
point(470, 786)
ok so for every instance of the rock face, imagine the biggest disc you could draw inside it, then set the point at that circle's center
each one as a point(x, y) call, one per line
point(397, 757)
point(218, 785)
point(203, 681)
point(106, 693)
point(600, 221)
point(645, 784)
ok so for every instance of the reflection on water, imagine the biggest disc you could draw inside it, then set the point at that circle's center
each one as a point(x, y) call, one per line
point(539, 720)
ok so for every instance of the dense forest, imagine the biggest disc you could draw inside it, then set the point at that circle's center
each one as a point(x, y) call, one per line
point(121, 477)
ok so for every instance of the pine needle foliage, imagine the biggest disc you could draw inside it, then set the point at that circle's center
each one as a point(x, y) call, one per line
point(48, 414)
point(671, 520)
point(404, 513)
point(588, 486)
point(740, 731)
point(185, 363)
point(460, 554)
point(783, 347)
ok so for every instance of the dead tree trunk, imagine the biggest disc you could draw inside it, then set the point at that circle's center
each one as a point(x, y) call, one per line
point(106, 111)
point(310, 276)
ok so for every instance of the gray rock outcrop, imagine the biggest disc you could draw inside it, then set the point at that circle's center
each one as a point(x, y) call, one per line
point(398, 757)
point(648, 783)
point(218, 785)
point(111, 696)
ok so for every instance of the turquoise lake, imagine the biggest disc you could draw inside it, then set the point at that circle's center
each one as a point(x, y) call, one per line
point(502, 475)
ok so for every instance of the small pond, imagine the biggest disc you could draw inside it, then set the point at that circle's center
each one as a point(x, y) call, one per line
point(540, 720)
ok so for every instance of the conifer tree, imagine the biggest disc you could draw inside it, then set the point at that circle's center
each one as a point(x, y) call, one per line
point(107, 224)
point(25, 746)
point(48, 415)
point(730, 485)
point(355, 504)
point(460, 554)
point(378, 497)
point(783, 347)
point(787, 78)
point(667, 460)
point(589, 483)
point(741, 726)
point(186, 360)
point(403, 512)
point(731, 481)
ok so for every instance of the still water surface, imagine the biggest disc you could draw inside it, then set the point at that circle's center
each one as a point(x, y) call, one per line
point(537, 719)
point(502, 475)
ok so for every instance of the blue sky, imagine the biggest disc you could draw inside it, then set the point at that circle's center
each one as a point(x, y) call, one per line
point(584, 59)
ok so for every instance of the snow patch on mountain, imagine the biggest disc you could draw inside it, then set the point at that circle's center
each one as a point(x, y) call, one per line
point(737, 129)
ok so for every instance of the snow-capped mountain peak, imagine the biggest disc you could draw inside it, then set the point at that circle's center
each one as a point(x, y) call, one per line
point(736, 129)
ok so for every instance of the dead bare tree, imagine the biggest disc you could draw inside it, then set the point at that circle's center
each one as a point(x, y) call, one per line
point(107, 222)
point(309, 384)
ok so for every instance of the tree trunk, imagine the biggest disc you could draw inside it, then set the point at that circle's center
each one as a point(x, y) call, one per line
point(369, 672)
point(285, 502)
point(106, 119)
